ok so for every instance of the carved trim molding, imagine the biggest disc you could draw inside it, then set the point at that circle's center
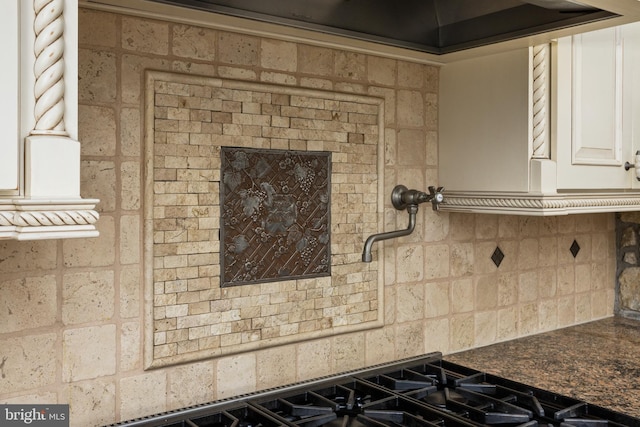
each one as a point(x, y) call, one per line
point(25, 220)
point(49, 66)
point(560, 204)
point(540, 102)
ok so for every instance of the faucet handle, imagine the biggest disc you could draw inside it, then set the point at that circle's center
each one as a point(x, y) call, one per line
point(436, 197)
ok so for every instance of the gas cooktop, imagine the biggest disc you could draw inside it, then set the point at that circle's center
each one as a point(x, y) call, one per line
point(425, 391)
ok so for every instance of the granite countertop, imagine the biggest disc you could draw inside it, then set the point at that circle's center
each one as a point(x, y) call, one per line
point(597, 362)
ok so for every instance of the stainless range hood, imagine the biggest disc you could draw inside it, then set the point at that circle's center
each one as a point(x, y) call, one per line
point(435, 27)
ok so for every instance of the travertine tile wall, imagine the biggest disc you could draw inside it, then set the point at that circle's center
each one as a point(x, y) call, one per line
point(71, 312)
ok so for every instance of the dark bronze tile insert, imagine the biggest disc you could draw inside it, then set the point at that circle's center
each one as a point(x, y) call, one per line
point(275, 216)
point(497, 256)
point(575, 248)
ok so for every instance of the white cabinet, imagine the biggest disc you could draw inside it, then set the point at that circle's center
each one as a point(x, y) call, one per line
point(9, 117)
point(39, 152)
point(545, 130)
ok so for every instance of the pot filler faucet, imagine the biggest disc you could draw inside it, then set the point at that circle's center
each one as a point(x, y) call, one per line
point(403, 198)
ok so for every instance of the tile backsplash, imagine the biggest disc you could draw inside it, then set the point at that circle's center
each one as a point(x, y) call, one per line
point(74, 314)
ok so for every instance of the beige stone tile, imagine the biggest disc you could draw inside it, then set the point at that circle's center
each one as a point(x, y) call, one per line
point(462, 332)
point(236, 375)
point(583, 277)
point(462, 259)
point(132, 68)
point(462, 295)
point(381, 71)
point(379, 346)
point(190, 384)
point(547, 283)
point(275, 367)
point(409, 339)
point(566, 280)
point(96, 76)
point(507, 323)
point(88, 353)
point(143, 394)
point(436, 335)
point(93, 403)
point(130, 239)
point(347, 351)
point(529, 226)
point(130, 346)
point(437, 260)
point(486, 226)
point(462, 226)
point(194, 42)
point(411, 300)
point(410, 74)
point(410, 263)
point(484, 264)
point(238, 49)
point(528, 286)
point(432, 149)
point(315, 60)
point(97, 130)
point(507, 289)
point(313, 359)
point(436, 225)
point(431, 112)
point(507, 227)
point(601, 304)
point(436, 300)
point(486, 328)
point(528, 319)
point(130, 179)
point(130, 287)
point(27, 363)
point(130, 133)
point(411, 148)
point(145, 36)
point(548, 315)
point(432, 78)
point(278, 55)
point(22, 257)
point(96, 28)
point(411, 108)
point(487, 290)
point(583, 307)
point(98, 179)
point(94, 252)
point(87, 297)
point(566, 224)
point(43, 397)
point(28, 302)
point(528, 253)
point(566, 311)
point(548, 250)
point(350, 65)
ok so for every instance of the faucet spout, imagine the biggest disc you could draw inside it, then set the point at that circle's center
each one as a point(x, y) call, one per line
point(366, 253)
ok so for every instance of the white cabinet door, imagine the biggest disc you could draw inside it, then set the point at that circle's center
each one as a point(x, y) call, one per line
point(9, 101)
point(591, 145)
point(631, 37)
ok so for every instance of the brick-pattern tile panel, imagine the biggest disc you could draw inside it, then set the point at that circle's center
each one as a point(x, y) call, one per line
point(189, 119)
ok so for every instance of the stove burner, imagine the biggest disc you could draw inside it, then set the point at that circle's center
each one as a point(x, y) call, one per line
point(420, 392)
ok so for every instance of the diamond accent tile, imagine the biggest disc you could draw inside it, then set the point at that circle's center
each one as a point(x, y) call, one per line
point(575, 248)
point(497, 256)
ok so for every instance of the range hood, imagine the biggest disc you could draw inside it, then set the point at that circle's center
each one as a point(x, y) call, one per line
point(436, 27)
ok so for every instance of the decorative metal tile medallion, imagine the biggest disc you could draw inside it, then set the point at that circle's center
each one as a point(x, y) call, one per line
point(575, 248)
point(497, 256)
point(275, 216)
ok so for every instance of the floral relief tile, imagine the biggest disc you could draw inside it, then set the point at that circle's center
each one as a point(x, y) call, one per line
point(275, 215)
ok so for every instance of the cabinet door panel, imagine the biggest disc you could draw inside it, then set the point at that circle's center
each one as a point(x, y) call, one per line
point(631, 36)
point(9, 107)
point(591, 144)
point(597, 108)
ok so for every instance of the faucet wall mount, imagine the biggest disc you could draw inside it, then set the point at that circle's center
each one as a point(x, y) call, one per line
point(403, 198)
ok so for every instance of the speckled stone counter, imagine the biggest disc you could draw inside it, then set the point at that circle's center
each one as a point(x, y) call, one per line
point(598, 362)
